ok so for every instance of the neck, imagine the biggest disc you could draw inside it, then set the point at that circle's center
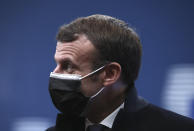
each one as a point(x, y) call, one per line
point(105, 103)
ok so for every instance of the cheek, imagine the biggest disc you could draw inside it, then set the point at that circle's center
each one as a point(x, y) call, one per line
point(90, 87)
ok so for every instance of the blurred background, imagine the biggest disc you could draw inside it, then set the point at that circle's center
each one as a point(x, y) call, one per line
point(27, 45)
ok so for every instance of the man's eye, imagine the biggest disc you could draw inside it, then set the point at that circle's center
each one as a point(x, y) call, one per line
point(67, 67)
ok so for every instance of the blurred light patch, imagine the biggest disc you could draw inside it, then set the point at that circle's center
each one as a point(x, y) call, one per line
point(178, 95)
point(31, 124)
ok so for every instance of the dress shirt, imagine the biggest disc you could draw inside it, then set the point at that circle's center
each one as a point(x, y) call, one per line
point(108, 121)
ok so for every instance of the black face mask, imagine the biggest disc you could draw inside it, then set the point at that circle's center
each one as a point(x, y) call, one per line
point(65, 91)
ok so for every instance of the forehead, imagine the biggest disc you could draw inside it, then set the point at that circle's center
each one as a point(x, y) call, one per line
point(79, 51)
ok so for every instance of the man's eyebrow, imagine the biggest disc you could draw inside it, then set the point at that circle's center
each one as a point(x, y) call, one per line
point(66, 60)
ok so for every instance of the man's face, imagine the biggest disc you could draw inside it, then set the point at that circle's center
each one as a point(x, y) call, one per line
point(76, 57)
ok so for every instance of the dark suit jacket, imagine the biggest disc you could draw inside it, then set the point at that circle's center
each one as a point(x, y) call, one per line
point(137, 115)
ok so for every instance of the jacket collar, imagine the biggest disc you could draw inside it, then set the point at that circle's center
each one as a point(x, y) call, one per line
point(125, 117)
point(133, 102)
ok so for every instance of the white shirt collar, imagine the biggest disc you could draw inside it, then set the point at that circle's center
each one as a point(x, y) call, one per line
point(108, 121)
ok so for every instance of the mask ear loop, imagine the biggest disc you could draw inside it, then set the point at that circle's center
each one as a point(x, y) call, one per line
point(92, 72)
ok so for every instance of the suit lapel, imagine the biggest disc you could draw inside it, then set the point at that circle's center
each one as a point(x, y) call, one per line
point(69, 123)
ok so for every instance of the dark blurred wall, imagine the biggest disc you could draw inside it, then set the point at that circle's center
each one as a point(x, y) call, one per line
point(27, 46)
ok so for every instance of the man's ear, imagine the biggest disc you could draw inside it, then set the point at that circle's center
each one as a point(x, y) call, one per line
point(111, 74)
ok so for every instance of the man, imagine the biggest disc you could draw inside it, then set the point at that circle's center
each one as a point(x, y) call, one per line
point(98, 59)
